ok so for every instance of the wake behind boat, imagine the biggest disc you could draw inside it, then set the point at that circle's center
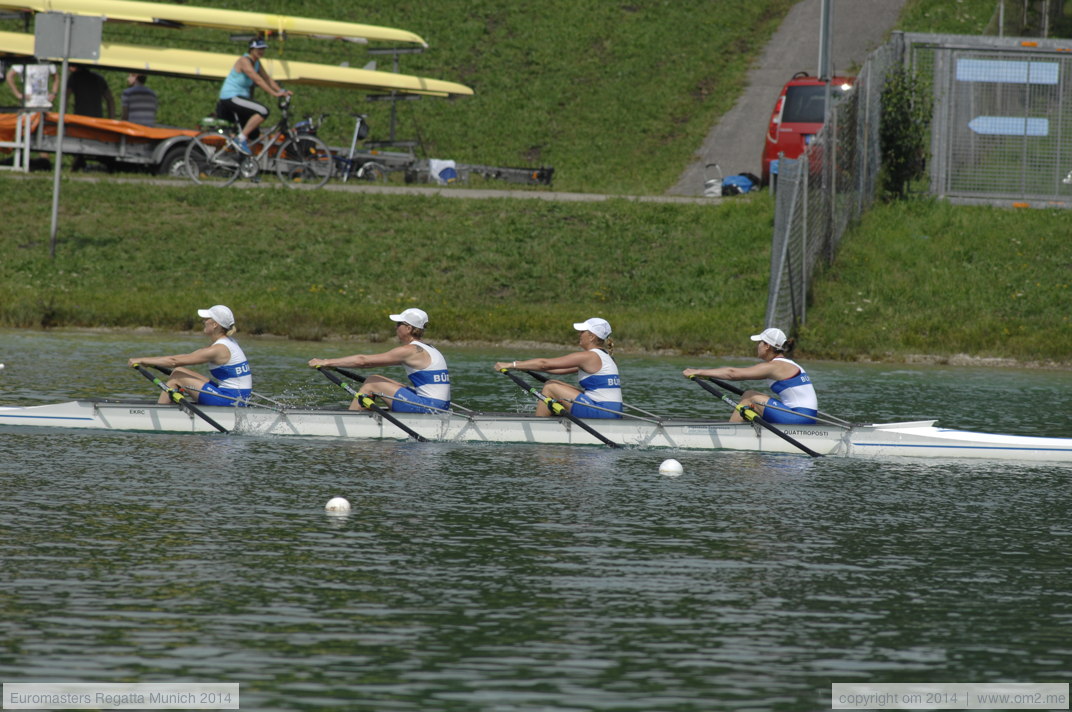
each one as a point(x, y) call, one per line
point(921, 439)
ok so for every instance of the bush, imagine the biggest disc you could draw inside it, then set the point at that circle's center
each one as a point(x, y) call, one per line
point(906, 112)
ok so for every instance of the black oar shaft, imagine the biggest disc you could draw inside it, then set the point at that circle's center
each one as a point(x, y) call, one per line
point(352, 375)
point(559, 409)
point(179, 399)
point(753, 416)
point(368, 402)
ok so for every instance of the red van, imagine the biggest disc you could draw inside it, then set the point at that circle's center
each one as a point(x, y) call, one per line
point(798, 115)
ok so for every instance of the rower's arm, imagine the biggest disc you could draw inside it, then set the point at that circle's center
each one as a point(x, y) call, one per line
point(216, 354)
point(759, 372)
point(394, 357)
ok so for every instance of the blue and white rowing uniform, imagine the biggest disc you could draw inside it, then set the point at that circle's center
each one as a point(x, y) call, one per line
point(602, 388)
point(234, 377)
point(796, 394)
point(431, 385)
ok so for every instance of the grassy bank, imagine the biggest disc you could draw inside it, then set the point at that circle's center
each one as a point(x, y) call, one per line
point(920, 277)
point(313, 264)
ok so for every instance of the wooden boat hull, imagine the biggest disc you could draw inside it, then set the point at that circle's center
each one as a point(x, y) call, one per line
point(908, 439)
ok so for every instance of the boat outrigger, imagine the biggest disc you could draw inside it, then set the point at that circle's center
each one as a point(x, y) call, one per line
point(908, 439)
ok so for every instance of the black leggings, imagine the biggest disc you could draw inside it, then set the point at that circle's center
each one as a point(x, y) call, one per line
point(240, 109)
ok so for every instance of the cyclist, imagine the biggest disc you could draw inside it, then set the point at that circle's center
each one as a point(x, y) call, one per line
point(236, 94)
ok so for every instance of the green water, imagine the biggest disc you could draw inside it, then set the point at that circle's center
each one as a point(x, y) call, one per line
point(472, 577)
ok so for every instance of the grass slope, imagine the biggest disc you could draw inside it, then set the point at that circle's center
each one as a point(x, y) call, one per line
point(311, 264)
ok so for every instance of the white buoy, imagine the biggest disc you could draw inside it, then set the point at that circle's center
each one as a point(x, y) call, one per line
point(1, 367)
point(671, 468)
point(337, 505)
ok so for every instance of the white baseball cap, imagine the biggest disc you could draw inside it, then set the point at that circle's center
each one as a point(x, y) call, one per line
point(772, 336)
point(219, 314)
point(599, 327)
point(414, 317)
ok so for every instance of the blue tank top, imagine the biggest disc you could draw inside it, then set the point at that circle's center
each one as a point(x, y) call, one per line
point(239, 83)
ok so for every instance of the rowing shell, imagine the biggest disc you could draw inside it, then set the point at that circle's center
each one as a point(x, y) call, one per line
point(909, 439)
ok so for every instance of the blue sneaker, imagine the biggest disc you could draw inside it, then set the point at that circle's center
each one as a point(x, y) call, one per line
point(242, 145)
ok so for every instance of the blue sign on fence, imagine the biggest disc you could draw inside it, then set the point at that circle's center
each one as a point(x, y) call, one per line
point(1007, 72)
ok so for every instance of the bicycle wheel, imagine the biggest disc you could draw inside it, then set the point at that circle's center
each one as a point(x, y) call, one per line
point(304, 161)
point(212, 160)
point(372, 172)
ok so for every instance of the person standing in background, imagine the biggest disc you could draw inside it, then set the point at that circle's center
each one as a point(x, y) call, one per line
point(35, 92)
point(90, 90)
point(138, 101)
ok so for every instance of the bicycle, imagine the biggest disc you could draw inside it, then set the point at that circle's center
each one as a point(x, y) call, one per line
point(360, 168)
point(298, 158)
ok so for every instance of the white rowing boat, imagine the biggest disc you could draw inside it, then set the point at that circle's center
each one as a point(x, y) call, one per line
point(909, 439)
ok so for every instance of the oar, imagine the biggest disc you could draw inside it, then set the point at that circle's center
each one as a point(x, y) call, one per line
point(658, 418)
point(369, 403)
point(832, 420)
point(752, 416)
point(557, 408)
point(179, 399)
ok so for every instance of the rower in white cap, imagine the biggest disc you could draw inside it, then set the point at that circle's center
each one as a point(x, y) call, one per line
point(425, 367)
point(229, 365)
point(794, 402)
point(600, 384)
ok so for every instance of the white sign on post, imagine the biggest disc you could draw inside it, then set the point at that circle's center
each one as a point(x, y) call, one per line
point(58, 35)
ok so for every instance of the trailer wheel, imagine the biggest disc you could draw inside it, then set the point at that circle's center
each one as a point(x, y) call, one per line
point(174, 163)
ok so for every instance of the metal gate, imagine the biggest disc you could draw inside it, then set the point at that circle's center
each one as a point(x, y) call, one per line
point(1002, 128)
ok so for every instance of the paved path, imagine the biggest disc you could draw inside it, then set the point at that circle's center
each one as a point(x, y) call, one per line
point(736, 143)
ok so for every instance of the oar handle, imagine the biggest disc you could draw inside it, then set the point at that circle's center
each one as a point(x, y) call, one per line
point(179, 399)
point(754, 417)
point(559, 409)
point(369, 403)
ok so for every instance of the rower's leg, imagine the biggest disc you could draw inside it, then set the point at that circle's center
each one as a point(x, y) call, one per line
point(753, 400)
point(184, 378)
point(376, 384)
point(560, 391)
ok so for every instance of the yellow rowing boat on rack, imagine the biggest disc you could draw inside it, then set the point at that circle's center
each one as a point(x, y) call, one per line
point(216, 66)
point(167, 15)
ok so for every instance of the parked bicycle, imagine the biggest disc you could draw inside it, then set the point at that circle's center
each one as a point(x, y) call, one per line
point(359, 167)
point(297, 157)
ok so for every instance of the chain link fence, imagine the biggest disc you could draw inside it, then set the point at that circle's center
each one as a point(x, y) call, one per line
point(1001, 134)
point(819, 195)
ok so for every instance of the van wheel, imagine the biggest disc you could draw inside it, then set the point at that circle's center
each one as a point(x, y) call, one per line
point(174, 163)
